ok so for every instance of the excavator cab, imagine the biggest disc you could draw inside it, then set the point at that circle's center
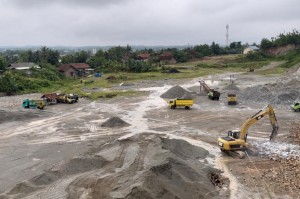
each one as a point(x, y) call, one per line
point(235, 134)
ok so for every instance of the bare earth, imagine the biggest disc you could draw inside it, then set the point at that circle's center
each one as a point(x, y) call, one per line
point(64, 151)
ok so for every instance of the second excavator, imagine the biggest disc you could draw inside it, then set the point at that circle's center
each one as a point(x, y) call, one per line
point(235, 143)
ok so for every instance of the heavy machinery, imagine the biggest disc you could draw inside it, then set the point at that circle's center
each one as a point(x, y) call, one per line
point(53, 98)
point(50, 98)
point(236, 141)
point(296, 106)
point(186, 103)
point(66, 98)
point(231, 99)
point(74, 97)
point(211, 93)
point(251, 70)
point(33, 104)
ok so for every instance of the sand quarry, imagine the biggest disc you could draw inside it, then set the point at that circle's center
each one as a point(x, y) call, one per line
point(136, 147)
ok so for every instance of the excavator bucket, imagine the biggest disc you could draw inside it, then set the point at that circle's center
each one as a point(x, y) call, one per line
point(274, 133)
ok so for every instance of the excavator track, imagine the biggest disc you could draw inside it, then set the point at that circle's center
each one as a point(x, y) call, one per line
point(238, 154)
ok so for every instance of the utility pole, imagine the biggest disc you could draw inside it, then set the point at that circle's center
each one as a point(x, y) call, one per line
point(227, 35)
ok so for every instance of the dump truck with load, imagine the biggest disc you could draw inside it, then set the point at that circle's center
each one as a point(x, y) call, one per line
point(65, 98)
point(231, 99)
point(50, 98)
point(33, 104)
point(186, 103)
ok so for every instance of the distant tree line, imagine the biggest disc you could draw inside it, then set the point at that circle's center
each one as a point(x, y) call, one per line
point(119, 58)
point(281, 40)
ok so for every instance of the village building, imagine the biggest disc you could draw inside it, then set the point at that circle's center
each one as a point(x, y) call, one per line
point(144, 56)
point(250, 49)
point(167, 58)
point(75, 69)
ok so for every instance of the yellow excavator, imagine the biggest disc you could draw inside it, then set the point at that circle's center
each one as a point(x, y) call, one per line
point(236, 142)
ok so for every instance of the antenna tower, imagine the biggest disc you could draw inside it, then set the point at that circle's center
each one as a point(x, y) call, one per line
point(227, 35)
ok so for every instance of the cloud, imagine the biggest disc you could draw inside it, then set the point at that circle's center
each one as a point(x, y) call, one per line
point(68, 3)
point(143, 22)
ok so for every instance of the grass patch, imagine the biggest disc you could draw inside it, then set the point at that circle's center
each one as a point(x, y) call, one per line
point(273, 71)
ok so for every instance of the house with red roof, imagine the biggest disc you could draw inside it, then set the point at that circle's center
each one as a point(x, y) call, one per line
point(167, 58)
point(75, 69)
point(144, 56)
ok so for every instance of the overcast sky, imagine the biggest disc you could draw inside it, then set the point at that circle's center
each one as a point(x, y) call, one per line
point(143, 22)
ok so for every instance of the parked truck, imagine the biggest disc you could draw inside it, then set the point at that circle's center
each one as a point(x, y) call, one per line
point(66, 98)
point(50, 98)
point(186, 103)
point(211, 93)
point(231, 99)
point(296, 106)
point(33, 104)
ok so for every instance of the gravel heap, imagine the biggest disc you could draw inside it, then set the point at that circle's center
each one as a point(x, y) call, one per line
point(115, 122)
point(146, 166)
point(283, 93)
point(231, 88)
point(177, 92)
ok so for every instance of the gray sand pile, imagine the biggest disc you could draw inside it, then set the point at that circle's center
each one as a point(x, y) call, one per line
point(143, 166)
point(114, 122)
point(231, 88)
point(177, 92)
point(281, 93)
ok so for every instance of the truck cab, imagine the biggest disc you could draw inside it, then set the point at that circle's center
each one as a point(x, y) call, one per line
point(296, 106)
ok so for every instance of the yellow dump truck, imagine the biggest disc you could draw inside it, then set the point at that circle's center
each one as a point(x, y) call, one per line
point(231, 99)
point(186, 103)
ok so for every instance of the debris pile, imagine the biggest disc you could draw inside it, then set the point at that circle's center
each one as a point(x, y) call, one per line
point(277, 150)
point(114, 122)
point(286, 175)
point(177, 92)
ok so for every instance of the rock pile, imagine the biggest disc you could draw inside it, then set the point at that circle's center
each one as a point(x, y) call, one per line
point(281, 93)
point(231, 88)
point(277, 150)
point(115, 122)
point(177, 92)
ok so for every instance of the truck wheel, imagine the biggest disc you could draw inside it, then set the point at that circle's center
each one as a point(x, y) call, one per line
point(187, 107)
point(172, 107)
point(297, 110)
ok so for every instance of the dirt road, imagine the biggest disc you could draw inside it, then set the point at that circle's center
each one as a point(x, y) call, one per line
point(64, 152)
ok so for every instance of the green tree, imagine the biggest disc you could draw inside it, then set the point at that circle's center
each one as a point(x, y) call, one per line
point(2, 64)
point(265, 43)
point(203, 50)
point(81, 57)
point(215, 48)
point(8, 83)
point(67, 59)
